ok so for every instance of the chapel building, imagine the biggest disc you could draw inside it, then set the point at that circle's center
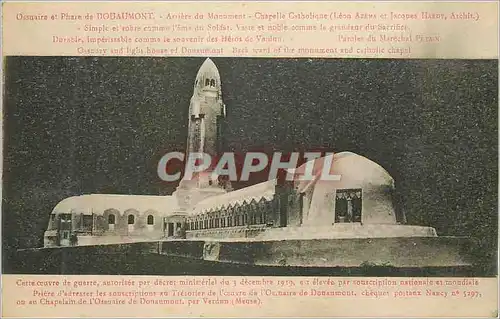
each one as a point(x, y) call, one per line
point(360, 205)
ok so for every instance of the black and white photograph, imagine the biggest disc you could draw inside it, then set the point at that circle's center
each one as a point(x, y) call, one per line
point(99, 176)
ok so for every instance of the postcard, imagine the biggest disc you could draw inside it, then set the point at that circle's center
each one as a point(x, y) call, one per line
point(253, 159)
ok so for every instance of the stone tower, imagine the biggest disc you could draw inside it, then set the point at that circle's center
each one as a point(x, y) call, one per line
point(206, 111)
point(207, 114)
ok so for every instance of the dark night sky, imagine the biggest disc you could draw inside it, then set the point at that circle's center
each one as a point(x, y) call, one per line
point(76, 125)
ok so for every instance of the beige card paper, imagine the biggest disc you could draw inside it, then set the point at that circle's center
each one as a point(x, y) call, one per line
point(384, 113)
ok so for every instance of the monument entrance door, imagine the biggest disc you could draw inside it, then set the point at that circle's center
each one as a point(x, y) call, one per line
point(348, 205)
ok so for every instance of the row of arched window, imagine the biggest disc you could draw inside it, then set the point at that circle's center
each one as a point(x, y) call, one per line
point(246, 215)
point(130, 219)
point(228, 221)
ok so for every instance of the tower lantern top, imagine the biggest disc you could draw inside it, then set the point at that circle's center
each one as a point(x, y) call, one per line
point(208, 75)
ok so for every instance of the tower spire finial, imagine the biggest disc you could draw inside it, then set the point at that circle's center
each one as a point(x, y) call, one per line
point(208, 70)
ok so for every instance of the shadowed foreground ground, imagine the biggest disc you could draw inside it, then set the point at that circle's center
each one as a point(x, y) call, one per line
point(135, 260)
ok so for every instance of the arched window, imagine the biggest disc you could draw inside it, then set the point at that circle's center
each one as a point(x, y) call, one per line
point(212, 83)
point(151, 220)
point(253, 217)
point(207, 82)
point(131, 219)
point(111, 219)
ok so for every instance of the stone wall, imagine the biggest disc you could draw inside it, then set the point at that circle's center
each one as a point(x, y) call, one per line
point(231, 232)
point(433, 256)
point(356, 252)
